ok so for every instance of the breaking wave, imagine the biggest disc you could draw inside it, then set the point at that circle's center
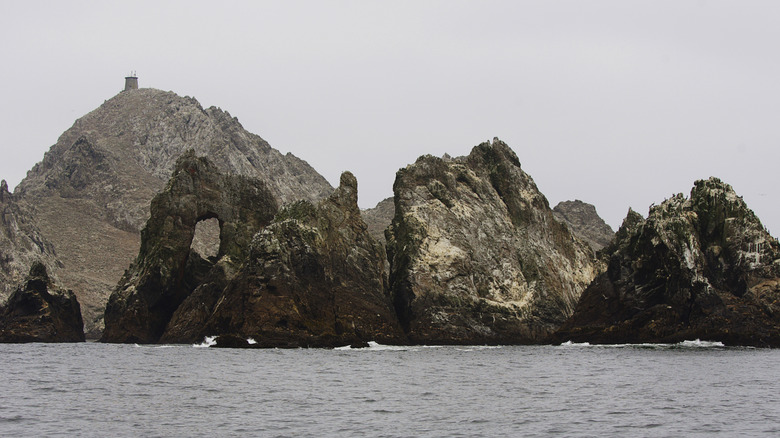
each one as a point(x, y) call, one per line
point(208, 341)
point(375, 346)
point(696, 343)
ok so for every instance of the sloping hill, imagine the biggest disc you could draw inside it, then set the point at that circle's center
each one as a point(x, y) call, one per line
point(90, 195)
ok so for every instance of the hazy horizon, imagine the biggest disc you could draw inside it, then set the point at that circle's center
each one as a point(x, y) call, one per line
point(618, 104)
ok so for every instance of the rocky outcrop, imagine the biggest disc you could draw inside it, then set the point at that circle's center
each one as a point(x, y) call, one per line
point(167, 270)
point(476, 254)
point(379, 218)
point(697, 268)
point(90, 195)
point(585, 223)
point(38, 312)
point(314, 277)
point(21, 244)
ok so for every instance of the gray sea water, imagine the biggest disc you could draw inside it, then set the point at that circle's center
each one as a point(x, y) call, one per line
point(690, 389)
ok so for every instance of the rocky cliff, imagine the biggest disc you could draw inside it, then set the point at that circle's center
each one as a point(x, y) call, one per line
point(314, 277)
point(585, 223)
point(167, 270)
point(700, 267)
point(476, 254)
point(21, 244)
point(39, 312)
point(91, 193)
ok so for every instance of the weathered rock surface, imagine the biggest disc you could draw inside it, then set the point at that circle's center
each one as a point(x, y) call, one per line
point(21, 244)
point(698, 268)
point(585, 223)
point(167, 270)
point(476, 254)
point(379, 218)
point(90, 195)
point(314, 277)
point(38, 312)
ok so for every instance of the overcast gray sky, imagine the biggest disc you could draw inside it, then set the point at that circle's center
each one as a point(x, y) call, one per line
point(617, 103)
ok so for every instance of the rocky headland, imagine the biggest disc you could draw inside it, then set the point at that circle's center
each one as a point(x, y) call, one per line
point(90, 195)
point(701, 267)
point(37, 311)
point(476, 254)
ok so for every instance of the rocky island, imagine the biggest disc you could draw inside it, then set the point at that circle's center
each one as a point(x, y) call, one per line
point(90, 194)
point(467, 251)
point(476, 254)
point(701, 267)
point(39, 312)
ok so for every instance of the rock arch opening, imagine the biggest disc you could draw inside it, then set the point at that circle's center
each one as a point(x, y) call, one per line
point(206, 239)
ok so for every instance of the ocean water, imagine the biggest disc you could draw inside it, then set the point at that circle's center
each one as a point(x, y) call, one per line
point(690, 389)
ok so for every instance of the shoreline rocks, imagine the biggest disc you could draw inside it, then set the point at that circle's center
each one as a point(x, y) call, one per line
point(314, 278)
point(167, 270)
point(701, 267)
point(90, 193)
point(39, 312)
point(476, 255)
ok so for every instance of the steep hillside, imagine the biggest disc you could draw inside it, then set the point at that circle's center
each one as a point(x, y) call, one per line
point(91, 193)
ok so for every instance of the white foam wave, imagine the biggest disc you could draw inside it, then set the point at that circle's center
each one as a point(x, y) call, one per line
point(696, 343)
point(208, 341)
point(251, 341)
point(575, 344)
point(375, 346)
point(155, 346)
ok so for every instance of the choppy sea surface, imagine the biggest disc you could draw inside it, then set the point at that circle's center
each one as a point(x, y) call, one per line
point(689, 389)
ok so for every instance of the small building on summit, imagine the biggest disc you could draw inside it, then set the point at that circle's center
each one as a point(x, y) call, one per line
point(131, 82)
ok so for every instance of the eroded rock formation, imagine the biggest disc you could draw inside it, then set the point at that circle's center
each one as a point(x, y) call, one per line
point(585, 223)
point(103, 172)
point(39, 312)
point(476, 254)
point(166, 270)
point(697, 268)
point(314, 277)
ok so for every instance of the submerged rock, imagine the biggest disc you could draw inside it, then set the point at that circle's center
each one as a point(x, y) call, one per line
point(38, 312)
point(314, 277)
point(477, 256)
point(585, 223)
point(698, 268)
point(167, 270)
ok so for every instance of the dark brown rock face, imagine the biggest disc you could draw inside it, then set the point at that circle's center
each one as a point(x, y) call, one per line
point(166, 270)
point(476, 255)
point(314, 277)
point(37, 312)
point(21, 244)
point(90, 195)
point(585, 223)
point(698, 268)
